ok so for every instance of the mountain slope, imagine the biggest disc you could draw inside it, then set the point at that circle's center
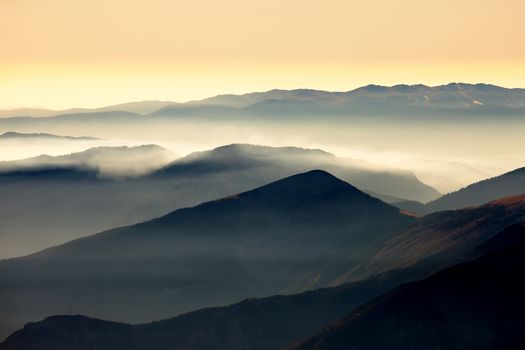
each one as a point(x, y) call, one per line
point(256, 324)
point(476, 305)
point(441, 239)
point(291, 235)
point(508, 184)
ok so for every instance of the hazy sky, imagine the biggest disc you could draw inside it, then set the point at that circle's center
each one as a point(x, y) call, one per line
point(64, 53)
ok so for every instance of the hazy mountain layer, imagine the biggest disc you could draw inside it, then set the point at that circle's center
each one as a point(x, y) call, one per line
point(262, 164)
point(42, 136)
point(106, 161)
point(142, 107)
point(50, 200)
point(449, 136)
point(508, 184)
point(291, 235)
point(453, 95)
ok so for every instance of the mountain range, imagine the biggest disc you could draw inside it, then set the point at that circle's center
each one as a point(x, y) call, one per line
point(430, 305)
point(294, 234)
point(373, 98)
point(10, 135)
point(476, 305)
point(306, 231)
point(244, 246)
point(50, 200)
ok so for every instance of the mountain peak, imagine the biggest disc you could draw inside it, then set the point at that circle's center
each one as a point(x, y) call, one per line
point(313, 181)
point(312, 189)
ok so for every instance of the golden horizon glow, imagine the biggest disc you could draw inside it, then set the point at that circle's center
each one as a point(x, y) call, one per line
point(61, 53)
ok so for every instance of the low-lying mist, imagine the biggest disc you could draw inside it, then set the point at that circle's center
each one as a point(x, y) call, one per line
point(446, 155)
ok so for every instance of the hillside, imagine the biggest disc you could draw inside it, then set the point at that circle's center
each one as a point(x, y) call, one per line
point(508, 184)
point(288, 236)
point(257, 324)
point(476, 305)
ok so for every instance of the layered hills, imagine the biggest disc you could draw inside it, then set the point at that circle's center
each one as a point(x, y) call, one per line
point(288, 236)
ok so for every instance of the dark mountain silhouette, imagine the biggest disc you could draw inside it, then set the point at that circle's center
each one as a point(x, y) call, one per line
point(257, 324)
point(476, 305)
point(291, 235)
point(508, 184)
point(257, 165)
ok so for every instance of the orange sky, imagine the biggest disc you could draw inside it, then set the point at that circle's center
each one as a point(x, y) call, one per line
point(64, 53)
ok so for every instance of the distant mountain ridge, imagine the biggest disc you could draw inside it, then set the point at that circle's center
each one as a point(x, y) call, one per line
point(50, 200)
point(508, 184)
point(141, 107)
point(36, 136)
point(453, 95)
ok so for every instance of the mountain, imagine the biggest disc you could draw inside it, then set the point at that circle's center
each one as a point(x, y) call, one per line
point(288, 236)
point(142, 107)
point(122, 161)
point(476, 305)
point(10, 135)
point(371, 99)
point(508, 184)
point(441, 239)
point(453, 95)
point(262, 164)
point(50, 200)
point(257, 324)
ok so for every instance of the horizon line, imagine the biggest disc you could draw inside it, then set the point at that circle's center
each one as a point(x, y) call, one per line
point(13, 109)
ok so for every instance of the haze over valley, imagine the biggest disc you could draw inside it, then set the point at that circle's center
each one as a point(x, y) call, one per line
point(262, 175)
point(401, 126)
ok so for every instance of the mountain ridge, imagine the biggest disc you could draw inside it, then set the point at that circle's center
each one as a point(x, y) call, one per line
point(246, 99)
point(506, 184)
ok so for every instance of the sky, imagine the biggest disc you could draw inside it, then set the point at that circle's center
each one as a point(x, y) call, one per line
point(68, 53)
